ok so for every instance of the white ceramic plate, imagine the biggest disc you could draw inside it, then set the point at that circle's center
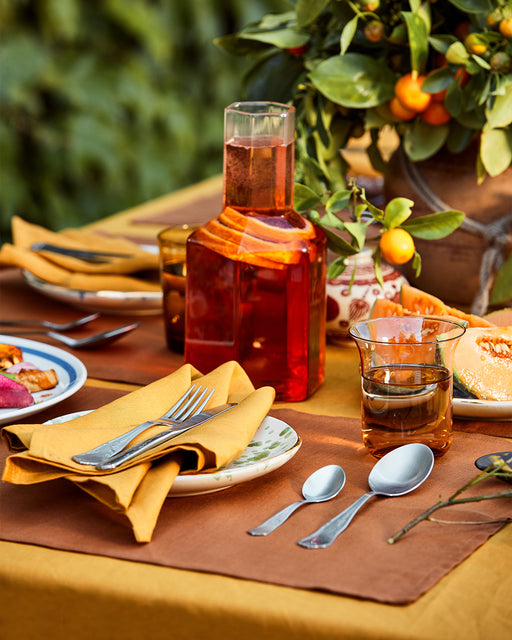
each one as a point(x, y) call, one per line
point(70, 370)
point(485, 409)
point(273, 444)
point(112, 302)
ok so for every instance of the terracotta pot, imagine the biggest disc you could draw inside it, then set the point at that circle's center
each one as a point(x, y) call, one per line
point(347, 304)
point(450, 266)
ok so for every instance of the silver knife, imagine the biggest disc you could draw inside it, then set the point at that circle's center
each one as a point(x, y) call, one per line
point(137, 449)
point(89, 256)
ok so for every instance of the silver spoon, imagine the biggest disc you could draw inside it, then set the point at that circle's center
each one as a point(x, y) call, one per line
point(398, 472)
point(91, 342)
point(322, 485)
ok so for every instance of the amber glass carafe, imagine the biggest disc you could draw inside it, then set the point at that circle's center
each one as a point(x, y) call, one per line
point(256, 273)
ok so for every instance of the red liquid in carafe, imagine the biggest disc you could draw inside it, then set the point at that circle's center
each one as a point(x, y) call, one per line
point(256, 278)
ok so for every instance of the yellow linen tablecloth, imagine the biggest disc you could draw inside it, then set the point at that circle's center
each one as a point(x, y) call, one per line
point(47, 593)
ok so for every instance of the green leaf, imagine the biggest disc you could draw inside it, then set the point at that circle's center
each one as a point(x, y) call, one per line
point(457, 53)
point(338, 244)
point(396, 212)
point(354, 80)
point(418, 40)
point(309, 10)
point(339, 200)
point(500, 114)
point(336, 268)
point(473, 6)
point(347, 35)
point(495, 150)
point(435, 225)
point(416, 264)
point(377, 261)
point(304, 198)
point(332, 220)
point(282, 38)
point(438, 80)
point(423, 140)
point(358, 231)
point(502, 290)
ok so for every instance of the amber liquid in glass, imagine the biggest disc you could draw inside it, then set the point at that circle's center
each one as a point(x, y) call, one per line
point(406, 403)
point(173, 287)
point(268, 316)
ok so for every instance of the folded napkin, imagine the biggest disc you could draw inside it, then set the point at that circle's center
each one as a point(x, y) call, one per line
point(73, 272)
point(138, 492)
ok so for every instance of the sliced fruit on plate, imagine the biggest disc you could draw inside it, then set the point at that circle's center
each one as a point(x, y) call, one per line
point(500, 317)
point(414, 302)
point(13, 394)
point(482, 363)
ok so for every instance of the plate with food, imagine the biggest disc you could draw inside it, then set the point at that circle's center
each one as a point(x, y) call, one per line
point(35, 376)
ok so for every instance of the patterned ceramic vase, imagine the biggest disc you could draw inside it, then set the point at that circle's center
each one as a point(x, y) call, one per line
point(349, 304)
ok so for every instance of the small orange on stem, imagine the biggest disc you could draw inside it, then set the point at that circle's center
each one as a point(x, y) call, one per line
point(436, 113)
point(506, 28)
point(408, 91)
point(399, 111)
point(397, 246)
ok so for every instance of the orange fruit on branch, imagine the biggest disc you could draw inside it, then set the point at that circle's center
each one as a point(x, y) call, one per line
point(408, 91)
point(399, 111)
point(436, 113)
point(397, 246)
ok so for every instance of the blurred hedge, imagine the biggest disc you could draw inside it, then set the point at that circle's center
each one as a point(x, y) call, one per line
point(105, 104)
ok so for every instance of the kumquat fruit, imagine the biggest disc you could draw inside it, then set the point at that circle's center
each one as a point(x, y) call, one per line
point(397, 246)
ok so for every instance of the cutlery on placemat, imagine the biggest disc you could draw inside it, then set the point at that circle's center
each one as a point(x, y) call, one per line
point(398, 472)
point(192, 402)
point(91, 342)
point(320, 486)
point(82, 254)
point(169, 434)
point(55, 326)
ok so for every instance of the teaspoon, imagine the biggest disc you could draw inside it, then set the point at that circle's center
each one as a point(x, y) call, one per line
point(398, 472)
point(322, 485)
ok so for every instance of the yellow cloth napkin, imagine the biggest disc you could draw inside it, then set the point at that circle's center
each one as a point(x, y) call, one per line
point(139, 491)
point(74, 273)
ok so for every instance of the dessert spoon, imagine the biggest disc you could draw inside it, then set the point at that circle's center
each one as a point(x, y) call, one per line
point(322, 485)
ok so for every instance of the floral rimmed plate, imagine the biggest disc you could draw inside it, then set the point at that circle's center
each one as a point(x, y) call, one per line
point(273, 444)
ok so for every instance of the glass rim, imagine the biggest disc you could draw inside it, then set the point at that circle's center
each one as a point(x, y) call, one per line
point(449, 321)
point(260, 108)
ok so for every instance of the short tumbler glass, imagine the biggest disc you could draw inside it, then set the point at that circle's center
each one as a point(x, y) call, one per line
point(406, 381)
point(172, 243)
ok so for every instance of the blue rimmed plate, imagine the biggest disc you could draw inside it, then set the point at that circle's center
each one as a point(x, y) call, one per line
point(70, 371)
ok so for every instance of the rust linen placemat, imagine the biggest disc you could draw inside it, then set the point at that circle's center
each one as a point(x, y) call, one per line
point(208, 532)
point(139, 358)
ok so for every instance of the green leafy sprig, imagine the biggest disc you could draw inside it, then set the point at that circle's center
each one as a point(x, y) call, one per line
point(497, 469)
point(365, 216)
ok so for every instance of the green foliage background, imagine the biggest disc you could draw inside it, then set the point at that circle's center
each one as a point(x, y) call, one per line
point(105, 104)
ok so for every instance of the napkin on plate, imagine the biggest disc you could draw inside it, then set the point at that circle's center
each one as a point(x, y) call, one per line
point(44, 452)
point(73, 273)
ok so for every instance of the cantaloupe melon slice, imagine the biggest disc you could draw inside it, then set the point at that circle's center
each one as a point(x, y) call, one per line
point(423, 303)
point(482, 363)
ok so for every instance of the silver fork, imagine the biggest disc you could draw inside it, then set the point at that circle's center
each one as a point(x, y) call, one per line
point(65, 326)
point(192, 402)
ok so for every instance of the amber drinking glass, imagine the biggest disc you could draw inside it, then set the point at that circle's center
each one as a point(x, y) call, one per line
point(406, 381)
point(172, 246)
